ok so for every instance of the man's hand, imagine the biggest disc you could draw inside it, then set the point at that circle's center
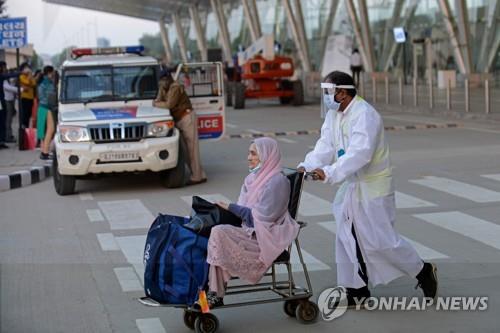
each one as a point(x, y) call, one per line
point(223, 205)
point(318, 174)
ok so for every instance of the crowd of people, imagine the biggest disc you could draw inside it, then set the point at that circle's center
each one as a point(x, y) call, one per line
point(37, 104)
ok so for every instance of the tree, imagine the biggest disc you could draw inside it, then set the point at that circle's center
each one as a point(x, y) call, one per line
point(59, 58)
point(152, 44)
point(36, 61)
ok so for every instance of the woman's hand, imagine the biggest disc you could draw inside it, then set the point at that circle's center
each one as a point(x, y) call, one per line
point(223, 205)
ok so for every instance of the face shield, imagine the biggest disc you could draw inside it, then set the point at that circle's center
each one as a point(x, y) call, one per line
point(328, 99)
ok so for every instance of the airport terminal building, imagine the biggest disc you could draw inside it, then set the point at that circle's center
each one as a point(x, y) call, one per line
point(392, 36)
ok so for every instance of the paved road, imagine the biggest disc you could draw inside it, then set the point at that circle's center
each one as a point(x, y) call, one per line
point(73, 264)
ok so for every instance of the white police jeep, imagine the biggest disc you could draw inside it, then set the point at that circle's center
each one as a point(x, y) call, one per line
point(107, 122)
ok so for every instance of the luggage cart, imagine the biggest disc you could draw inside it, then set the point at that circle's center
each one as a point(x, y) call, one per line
point(295, 298)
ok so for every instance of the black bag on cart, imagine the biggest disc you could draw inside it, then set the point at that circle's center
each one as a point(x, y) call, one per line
point(207, 215)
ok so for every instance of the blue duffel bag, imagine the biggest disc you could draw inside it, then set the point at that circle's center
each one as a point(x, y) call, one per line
point(175, 261)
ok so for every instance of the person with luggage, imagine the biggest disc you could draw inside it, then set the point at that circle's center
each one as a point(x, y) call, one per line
point(352, 151)
point(267, 230)
point(28, 84)
point(172, 96)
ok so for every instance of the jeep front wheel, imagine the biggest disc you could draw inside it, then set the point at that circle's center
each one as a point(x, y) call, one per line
point(176, 177)
point(63, 184)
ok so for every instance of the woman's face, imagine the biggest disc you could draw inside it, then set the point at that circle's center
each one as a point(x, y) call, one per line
point(253, 157)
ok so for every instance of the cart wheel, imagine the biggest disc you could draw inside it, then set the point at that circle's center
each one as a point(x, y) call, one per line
point(206, 323)
point(290, 307)
point(307, 312)
point(189, 319)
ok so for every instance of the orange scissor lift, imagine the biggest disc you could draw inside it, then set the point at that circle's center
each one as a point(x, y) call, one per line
point(266, 75)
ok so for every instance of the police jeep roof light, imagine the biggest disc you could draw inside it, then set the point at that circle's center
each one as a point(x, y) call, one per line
point(79, 52)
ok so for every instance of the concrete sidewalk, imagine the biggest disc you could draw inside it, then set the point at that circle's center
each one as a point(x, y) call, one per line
point(21, 168)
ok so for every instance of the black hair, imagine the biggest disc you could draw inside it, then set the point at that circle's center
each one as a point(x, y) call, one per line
point(48, 70)
point(24, 65)
point(341, 79)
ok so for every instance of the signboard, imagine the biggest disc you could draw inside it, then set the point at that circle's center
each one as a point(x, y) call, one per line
point(399, 34)
point(13, 32)
point(210, 127)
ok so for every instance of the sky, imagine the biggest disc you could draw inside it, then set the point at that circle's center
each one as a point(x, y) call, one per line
point(53, 27)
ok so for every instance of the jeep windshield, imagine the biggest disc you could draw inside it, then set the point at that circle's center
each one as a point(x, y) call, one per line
point(103, 84)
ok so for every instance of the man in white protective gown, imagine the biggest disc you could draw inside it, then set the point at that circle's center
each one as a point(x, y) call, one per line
point(352, 151)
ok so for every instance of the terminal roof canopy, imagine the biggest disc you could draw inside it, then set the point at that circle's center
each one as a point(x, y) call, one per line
point(143, 9)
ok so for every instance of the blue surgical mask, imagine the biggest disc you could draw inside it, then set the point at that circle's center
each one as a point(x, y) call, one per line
point(330, 102)
point(253, 170)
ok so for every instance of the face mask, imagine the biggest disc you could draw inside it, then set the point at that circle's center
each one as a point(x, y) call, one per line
point(331, 103)
point(254, 170)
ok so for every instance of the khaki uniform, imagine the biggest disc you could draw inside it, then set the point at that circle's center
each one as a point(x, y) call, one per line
point(177, 101)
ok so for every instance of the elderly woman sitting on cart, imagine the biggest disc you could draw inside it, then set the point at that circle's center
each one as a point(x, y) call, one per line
point(267, 228)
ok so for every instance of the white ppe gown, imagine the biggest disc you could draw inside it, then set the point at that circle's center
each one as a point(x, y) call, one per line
point(365, 198)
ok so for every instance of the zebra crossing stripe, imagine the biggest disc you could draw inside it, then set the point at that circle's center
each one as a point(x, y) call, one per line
point(128, 279)
point(94, 215)
point(423, 251)
point(126, 214)
point(150, 325)
point(494, 176)
point(466, 225)
point(213, 197)
point(133, 250)
point(459, 189)
point(407, 201)
point(107, 242)
point(312, 263)
point(86, 196)
point(312, 205)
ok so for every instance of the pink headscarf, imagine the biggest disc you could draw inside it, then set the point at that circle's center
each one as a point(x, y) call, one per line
point(274, 227)
point(270, 159)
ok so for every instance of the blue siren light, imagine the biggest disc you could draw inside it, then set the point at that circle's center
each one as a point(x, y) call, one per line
point(137, 49)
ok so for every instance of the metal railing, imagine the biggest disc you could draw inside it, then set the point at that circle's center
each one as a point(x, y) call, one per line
point(419, 98)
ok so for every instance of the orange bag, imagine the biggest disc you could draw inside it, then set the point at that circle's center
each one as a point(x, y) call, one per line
point(30, 138)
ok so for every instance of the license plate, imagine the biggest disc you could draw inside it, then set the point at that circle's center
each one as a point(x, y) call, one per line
point(119, 156)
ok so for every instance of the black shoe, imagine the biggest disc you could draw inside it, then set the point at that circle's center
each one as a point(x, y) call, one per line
point(214, 301)
point(357, 297)
point(3, 146)
point(45, 157)
point(427, 280)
